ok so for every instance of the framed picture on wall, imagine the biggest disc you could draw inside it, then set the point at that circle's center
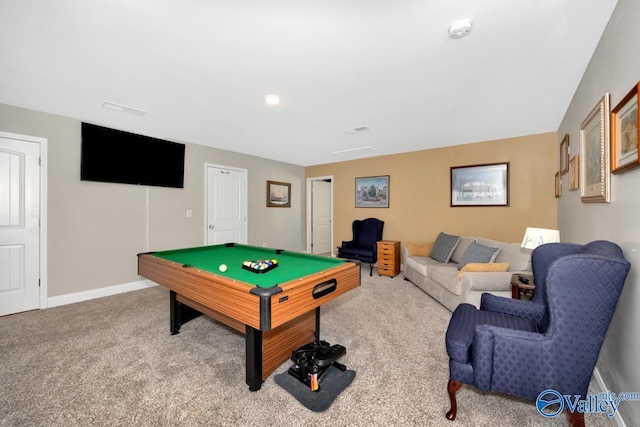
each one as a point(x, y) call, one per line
point(564, 155)
point(372, 192)
point(480, 185)
point(624, 133)
point(594, 154)
point(573, 173)
point(559, 184)
point(278, 194)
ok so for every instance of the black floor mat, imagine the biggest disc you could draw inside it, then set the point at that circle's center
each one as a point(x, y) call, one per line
point(332, 383)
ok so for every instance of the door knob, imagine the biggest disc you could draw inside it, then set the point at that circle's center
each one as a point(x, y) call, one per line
point(211, 227)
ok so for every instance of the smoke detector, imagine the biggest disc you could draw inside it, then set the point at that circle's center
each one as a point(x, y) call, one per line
point(460, 28)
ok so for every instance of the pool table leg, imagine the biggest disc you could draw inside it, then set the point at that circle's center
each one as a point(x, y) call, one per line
point(179, 313)
point(254, 358)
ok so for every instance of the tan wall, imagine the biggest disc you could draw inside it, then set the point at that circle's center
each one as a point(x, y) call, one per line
point(419, 198)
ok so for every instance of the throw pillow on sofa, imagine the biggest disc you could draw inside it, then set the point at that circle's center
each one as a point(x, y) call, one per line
point(484, 267)
point(419, 249)
point(444, 246)
point(478, 253)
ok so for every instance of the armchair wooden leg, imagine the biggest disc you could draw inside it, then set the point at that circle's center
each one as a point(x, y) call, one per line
point(452, 388)
point(576, 419)
point(371, 269)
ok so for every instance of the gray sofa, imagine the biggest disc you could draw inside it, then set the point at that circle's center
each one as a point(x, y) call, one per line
point(440, 280)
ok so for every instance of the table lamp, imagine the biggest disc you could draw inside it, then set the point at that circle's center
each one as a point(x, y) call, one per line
point(535, 237)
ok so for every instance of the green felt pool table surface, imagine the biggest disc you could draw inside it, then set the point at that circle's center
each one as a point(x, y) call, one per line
point(291, 265)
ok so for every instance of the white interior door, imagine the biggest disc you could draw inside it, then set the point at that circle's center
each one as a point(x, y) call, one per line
point(226, 194)
point(19, 225)
point(321, 216)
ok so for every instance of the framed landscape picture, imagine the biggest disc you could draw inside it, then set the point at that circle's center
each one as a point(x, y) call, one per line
point(278, 194)
point(594, 154)
point(624, 133)
point(480, 185)
point(372, 192)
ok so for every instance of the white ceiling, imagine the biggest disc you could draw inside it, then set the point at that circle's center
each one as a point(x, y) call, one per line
point(200, 69)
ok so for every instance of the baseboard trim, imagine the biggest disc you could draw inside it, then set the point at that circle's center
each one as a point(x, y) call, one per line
point(98, 293)
point(600, 387)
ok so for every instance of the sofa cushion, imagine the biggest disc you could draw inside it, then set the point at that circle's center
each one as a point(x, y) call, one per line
point(484, 267)
point(422, 263)
point(518, 258)
point(445, 275)
point(419, 249)
point(462, 248)
point(477, 252)
point(444, 246)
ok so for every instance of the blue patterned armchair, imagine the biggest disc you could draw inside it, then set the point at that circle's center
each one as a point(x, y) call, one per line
point(364, 246)
point(552, 342)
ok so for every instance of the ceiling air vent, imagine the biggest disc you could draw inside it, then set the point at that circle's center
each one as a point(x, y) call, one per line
point(359, 129)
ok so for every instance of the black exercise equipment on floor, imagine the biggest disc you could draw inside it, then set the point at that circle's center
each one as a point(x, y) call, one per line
point(312, 360)
point(316, 377)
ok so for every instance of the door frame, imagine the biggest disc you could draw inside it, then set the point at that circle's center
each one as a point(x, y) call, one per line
point(42, 142)
point(309, 238)
point(206, 197)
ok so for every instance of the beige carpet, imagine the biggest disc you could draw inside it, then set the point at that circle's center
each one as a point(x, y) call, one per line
point(112, 362)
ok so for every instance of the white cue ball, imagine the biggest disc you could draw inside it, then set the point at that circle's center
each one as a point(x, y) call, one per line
point(223, 267)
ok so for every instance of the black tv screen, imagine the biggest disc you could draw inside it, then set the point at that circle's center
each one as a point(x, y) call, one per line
point(110, 155)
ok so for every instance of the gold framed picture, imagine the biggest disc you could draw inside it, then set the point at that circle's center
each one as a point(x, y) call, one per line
point(573, 173)
point(564, 155)
point(594, 154)
point(624, 133)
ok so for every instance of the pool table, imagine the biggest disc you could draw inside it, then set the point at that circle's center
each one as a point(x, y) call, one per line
point(278, 310)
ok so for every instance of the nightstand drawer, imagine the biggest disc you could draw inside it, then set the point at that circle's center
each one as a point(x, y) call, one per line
point(386, 249)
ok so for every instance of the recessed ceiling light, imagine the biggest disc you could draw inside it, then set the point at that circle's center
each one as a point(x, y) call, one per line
point(460, 28)
point(272, 99)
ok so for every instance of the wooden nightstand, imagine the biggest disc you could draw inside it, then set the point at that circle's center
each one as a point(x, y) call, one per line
point(389, 257)
point(520, 289)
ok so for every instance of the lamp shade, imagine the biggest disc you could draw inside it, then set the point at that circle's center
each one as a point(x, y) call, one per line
point(535, 237)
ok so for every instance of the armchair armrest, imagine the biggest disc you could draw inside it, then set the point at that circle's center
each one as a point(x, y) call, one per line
point(348, 244)
point(512, 307)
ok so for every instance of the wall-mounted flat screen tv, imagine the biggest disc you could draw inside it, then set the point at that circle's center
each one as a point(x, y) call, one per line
point(110, 155)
